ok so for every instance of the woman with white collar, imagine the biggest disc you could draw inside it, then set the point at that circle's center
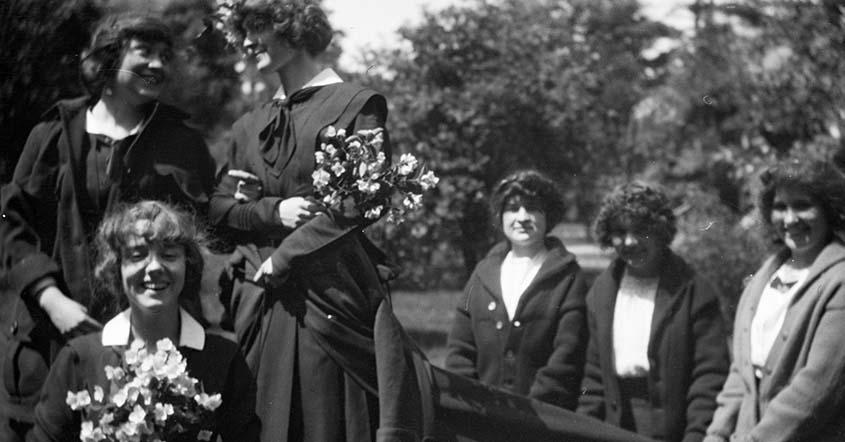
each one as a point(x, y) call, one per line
point(521, 322)
point(151, 262)
point(304, 289)
point(787, 379)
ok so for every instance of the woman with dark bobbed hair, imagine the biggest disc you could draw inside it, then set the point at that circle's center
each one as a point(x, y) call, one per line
point(521, 324)
point(302, 290)
point(150, 266)
point(787, 379)
point(86, 155)
point(657, 352)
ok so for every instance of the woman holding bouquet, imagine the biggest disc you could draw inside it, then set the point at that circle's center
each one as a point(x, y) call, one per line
point(304, 286)
point(787, 379)
point(87, 155)
point(149, 260)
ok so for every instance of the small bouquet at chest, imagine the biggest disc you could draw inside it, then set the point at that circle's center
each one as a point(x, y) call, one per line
point(352, 172)
point(151, 398)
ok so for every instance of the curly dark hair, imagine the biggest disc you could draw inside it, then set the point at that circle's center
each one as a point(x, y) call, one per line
point(642, 207)
point(532, 188)
point(100, 61)
point(166, 224)
point(301, 23)
point(819, 178)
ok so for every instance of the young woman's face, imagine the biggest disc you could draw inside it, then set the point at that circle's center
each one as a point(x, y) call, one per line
point(800, 221)
point(639, 250)
point(153, 274)
point(269, 52)
point(524, 224)
point(143, 71)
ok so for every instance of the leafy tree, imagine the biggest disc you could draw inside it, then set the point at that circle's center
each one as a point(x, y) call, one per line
point(40, 42)
point(499, 85)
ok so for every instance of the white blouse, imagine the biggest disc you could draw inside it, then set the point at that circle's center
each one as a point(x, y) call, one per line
point(632, 324)
point(516, 274)
point(771, 312)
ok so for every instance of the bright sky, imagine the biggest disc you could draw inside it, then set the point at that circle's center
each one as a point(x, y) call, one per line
point(373, 23)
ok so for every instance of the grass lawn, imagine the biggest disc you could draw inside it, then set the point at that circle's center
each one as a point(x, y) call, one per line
point(427, 316)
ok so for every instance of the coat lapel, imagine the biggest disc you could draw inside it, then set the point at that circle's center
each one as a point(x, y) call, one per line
point(830, 255)
point(672, 277)
point(557, 259)
point(490, 272)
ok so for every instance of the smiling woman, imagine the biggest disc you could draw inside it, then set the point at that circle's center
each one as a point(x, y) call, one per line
point(656, 356)
point(149, 259)
point(86, 156)
point(791, 316)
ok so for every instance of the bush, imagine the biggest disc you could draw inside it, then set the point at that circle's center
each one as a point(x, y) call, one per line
point(720, 244)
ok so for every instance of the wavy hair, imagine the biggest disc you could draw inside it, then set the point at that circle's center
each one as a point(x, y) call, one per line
point(163, 223)
point(301, 23)
point(534, 189)
point(819, 178)
point(102, 58)
point(643, 207)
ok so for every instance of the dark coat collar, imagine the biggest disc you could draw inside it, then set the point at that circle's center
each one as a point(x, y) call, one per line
point(674, 275)
point(489, 270)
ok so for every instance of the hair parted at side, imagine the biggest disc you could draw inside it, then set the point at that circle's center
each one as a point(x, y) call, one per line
point(533, 188)
point(111, 37)
point(821, 179)
point(301, 23)
point(641, 206)
point(160, 223)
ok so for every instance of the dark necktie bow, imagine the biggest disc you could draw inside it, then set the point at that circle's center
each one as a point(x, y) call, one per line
point(279, 133)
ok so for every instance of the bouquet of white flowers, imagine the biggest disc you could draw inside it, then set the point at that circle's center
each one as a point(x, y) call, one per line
point(151, 399)
point(354, 170)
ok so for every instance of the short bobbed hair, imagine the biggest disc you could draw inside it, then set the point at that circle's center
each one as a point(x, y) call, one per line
point(102, 58)
point(533, 189)
point(642, 207)
point(163, 223)
point(820, 179)
point(301, 23)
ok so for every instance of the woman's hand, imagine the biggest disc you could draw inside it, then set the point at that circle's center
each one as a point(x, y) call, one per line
point(65, 313)
point(296, 211)
point(265, 274)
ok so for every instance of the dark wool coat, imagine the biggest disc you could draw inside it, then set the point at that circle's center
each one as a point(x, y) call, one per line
point(802, 392)
point(48, 221)
point(687, 352)
point(540, 352)
point(309, 341)
point(219, 366)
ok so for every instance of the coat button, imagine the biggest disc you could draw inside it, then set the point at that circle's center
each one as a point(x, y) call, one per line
point(491, 306)
point(14, 328)
point(329, 317)
point(517, 324)
point(509, 354)
point(499, 325)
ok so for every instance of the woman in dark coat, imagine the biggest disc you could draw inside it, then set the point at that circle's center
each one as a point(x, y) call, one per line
point(304, 289)
point(85, 156)
point(657, 354)
point(149, 264)
point(521, 323)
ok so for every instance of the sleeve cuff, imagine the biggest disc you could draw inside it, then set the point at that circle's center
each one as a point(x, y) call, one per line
point(28, 272)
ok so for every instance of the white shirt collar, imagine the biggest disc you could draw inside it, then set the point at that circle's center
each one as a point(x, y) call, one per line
point(326, 77)
point(118, 330)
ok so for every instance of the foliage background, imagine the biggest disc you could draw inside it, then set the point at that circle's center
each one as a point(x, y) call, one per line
point(591, 92)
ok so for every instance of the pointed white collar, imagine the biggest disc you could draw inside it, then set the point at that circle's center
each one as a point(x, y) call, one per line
point(118, 330)
point(324, 78)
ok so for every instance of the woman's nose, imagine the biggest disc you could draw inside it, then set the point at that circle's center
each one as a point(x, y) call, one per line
point(789, 216)
point(154, 263)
